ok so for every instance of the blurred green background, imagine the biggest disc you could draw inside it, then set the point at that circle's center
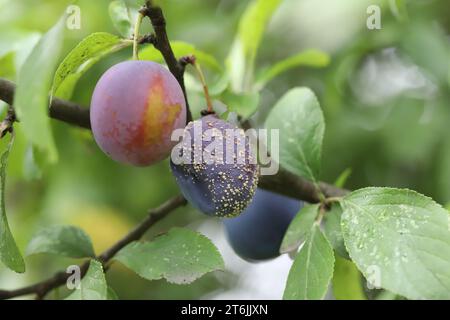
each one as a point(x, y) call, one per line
point(385, 98)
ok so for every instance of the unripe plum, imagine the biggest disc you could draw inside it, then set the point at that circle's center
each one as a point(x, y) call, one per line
point(216, 187)
point(258, 232)
point(134, 109)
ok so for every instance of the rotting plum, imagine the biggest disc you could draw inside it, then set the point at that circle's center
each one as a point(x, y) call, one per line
point(134, 109)
point(206, 176)
point(258, 232)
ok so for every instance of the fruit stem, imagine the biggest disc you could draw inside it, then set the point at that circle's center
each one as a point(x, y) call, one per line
point(332, 199)
point(205, 87)
point(137, 26)
point(322, 210)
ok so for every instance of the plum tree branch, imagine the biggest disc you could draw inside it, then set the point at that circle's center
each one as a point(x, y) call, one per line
point(62, 110)
point(294, 186)
point(283, 182)
point(59, 278)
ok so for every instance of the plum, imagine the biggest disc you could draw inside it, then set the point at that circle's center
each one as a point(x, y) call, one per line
point(258, 232)
point(218, 181)
point(134, 109)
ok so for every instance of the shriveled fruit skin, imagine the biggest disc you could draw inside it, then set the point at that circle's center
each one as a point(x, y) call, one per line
point(218, 188)
point(134, 109)
point(258, 232)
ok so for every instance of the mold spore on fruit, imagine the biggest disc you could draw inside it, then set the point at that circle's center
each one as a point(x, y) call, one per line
point(215, 167)
point(134, 109)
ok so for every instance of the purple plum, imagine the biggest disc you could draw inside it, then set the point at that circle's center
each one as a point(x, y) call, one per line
point(216, 169)
point(258, 232)
point(134, 109)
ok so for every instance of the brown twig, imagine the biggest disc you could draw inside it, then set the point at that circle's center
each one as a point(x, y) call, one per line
point(294, 186)
point(190, 59)
point(147, 38)
point(41, 289)
point(59, 109)
point(7, 124)
point(154, 216)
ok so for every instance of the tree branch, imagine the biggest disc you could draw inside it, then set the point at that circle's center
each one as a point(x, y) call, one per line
point(294, 186)
point(161, 42)
point(283, 182)
point(153, 216)
point(7, 124)
point(59, 109)
point(42, 288)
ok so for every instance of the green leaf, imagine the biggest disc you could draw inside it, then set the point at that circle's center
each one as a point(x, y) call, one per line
point(244, 104)
point(300, 120)
point(241, 58)
point(333, 231)
point(31, 166)
point(120, 18)
point(111, 294)
point(253, 24)
point(7, 67)
point(67, 241)
point(400, 240)
point(343, 177)
point(347, 282)
point(387, 295)
point(180, 256)
point(9, 253)
point(31, 100)
point(236, 67)
point(299, 228)
point(442, 180)
point(312, 269)
point(181, 49)
point(90, 50)
point(399, 9)
point(310, 58)
point(93, 286)
point(18, 42)
point(220, 85)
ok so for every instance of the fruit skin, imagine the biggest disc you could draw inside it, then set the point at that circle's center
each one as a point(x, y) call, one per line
point(134, 109)
point(216, 189)
point(258, 232)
